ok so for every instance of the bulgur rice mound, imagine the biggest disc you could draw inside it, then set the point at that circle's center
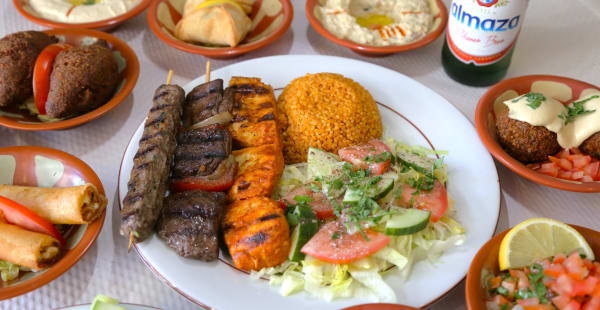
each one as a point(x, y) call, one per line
point(326, 111)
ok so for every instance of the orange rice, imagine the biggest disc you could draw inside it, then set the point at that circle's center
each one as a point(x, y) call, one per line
point(326, 111)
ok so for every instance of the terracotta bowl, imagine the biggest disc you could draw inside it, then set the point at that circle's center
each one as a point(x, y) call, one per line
point(486, 128)
point(487, 258)
point(103, 25)
point(129, 67)
point(380, 307)
point(21, 165)
point(275, 17)
point(441, 19)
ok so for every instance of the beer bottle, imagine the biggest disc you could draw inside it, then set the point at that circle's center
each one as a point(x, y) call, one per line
point(480, 39)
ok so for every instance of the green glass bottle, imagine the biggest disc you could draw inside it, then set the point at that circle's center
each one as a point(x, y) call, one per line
point(480, 39)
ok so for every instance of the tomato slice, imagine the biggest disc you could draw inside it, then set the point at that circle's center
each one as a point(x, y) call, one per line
point(345, 248)
point(41, 74)
point(435, 201)
point(17, 214)
point(320, 204)
point(356, 155)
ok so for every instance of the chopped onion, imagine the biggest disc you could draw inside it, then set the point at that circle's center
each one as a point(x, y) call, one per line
point(221, 118)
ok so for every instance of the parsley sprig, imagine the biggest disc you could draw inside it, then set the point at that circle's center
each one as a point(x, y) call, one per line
point(578, 109)
point(534, 100)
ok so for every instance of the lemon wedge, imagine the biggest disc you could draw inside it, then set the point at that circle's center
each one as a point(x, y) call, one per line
point(216, 2)
point(374, 21)
point(539, 238)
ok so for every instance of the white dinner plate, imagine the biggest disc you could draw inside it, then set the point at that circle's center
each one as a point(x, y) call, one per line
point(126, 305)
point(411, 113)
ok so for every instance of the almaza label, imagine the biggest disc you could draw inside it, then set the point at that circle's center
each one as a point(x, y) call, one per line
point(481, 32)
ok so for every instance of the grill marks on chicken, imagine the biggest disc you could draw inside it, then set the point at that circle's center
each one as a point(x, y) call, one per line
point(256, 233)
point(254, 113)
point(190, 223)
point(151, 165)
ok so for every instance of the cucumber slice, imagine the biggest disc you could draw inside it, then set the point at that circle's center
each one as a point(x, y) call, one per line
point(321, 163)
point(383, 188)
point(300, 236)
point(407, 222)
point(378, 191)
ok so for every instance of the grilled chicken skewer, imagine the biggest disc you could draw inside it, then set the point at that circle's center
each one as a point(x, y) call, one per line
point(148, 182)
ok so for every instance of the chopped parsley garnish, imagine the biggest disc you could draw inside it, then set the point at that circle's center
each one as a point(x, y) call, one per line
point(335, 235)
point(378, 158)
point(502, 291)
point(578, 109)
point(314, 187)
point(534, 100)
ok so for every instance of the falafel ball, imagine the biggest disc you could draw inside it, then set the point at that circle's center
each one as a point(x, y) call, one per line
point(523, 141)
point(18, 53)
point(591, 145)
point(83, 78)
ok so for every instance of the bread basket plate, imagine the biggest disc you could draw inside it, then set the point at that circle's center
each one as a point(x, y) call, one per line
point(270, 20)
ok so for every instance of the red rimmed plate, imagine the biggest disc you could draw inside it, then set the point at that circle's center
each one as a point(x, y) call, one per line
point(40, 166)
point(487, 258)
point(129, 67)
point(104, 25)
point(486, 127)
point(439, 24)
point(270, 20)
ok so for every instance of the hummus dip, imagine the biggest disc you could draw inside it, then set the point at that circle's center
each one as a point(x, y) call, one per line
point(81, 11)
point(376, 22)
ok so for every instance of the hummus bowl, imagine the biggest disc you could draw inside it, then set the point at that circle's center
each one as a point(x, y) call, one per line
point(60, 14)
point(40, 166)
point(438, 12)
point(485, 122)
point(129, 69)
point(270, 20)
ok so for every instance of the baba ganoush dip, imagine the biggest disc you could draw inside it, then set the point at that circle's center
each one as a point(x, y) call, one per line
point(376, 22)
point(81, 11)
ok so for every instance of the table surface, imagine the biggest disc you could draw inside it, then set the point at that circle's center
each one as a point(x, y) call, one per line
point(558, 37)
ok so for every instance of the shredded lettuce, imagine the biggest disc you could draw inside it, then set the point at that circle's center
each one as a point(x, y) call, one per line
point(366, 277)
point(9, 271)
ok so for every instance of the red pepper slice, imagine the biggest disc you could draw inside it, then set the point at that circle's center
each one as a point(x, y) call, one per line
point(17, 214)
point(221, 183)
point(41, 74)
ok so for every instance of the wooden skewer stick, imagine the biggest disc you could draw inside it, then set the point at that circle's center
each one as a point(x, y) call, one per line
point(208, 71)
point(131, 235)
point(170, 77)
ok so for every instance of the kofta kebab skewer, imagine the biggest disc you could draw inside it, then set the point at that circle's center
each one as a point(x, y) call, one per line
point(131, 234)
point(149, 179)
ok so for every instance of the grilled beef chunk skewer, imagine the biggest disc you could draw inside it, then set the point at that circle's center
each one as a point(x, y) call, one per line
point(190, 223)
point(203, 160)
point(204, 101)
point(152, 163)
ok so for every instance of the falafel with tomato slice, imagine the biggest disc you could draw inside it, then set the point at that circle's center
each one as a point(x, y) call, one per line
point(18, 53)
point(83, 78)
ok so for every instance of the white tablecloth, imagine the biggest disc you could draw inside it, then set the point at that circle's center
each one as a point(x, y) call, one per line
point(559, 37)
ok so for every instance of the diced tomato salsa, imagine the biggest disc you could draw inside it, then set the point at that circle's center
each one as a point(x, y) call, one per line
point(561, 282)
point(570, 165)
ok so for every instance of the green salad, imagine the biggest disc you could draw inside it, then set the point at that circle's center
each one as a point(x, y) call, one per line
point(375, 209)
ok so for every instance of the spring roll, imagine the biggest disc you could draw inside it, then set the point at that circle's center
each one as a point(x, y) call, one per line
point(26, 248)
point(68, 205)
